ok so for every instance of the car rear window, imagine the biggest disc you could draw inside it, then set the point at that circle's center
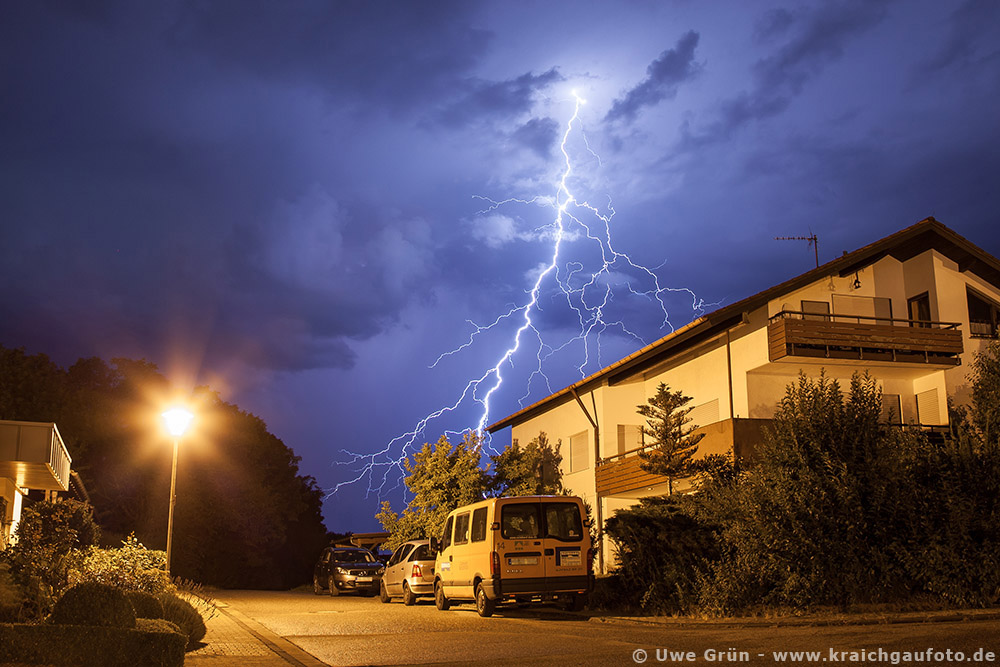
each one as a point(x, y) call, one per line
point(351, 556)
point(563, 522)
point(519, 521)
point(422, 552)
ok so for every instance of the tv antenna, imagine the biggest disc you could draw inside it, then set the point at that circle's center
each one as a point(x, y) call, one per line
point(813, 241)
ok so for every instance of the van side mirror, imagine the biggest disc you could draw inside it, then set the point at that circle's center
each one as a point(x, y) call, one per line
point(435, 545)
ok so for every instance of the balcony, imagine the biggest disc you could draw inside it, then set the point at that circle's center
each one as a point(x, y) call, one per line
point(623, 473)
point(859, 337)
point(34, 456)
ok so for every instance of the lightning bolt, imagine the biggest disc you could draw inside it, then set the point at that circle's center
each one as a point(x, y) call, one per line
point(587, 295)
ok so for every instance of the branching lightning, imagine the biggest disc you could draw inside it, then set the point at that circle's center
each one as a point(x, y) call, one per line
point(587, 294)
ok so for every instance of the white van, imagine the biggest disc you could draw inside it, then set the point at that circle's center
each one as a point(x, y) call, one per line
point(514, 548)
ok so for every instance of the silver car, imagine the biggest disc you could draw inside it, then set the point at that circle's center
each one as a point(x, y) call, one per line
point(409, 573)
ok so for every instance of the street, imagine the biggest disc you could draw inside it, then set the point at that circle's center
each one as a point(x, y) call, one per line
point(348, 630)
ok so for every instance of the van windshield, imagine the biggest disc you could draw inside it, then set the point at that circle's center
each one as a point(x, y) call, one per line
point(519, 521)
point(562, 521)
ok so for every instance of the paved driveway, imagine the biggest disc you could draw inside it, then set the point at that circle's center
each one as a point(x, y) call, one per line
point(300, 628)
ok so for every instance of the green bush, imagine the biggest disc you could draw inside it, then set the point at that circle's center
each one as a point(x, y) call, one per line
point(131, 567)
point(184, 615)
point(92, 603)
point(662, 551)
point(158, 625)
point(83, 646)
point(39, 559)
point(146, 605)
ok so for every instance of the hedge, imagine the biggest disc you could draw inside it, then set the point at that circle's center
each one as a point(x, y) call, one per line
point(91, 646)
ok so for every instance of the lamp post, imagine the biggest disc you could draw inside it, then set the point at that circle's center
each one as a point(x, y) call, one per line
point(177, 421)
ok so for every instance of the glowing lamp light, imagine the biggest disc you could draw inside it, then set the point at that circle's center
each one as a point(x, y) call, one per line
point(177, 421)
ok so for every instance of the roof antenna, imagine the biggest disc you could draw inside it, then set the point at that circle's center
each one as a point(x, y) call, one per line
point(813, 241)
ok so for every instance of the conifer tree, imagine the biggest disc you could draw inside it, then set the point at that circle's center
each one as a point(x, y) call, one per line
point(674, 442)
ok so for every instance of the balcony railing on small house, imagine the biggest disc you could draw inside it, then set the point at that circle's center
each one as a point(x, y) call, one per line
point(799, 334)
point(34, 456)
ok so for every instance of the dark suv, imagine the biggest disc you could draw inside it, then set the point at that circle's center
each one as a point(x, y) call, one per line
point(347, 569)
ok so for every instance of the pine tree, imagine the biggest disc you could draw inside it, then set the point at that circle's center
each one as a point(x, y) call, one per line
point(674, 443)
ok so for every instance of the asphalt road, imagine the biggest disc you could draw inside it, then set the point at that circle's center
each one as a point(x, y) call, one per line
point(348, 630)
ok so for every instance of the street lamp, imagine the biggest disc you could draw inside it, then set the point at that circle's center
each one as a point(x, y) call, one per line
point(177, 421)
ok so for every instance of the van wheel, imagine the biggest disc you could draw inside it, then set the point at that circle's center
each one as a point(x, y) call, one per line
point(575, 602)
point(332, 585)
point(440, 601)
point(484, 605)
point(317, 585)
point(383, 594)
point(409, 599)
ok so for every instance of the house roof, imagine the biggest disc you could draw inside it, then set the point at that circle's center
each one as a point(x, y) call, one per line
point(903, 245)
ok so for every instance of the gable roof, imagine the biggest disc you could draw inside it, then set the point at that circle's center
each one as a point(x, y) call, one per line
point(903, 245)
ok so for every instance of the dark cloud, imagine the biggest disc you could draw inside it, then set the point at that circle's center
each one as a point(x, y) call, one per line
point(539, 135)
point(481, 99)
point(816, 38)
point(394, 54)
point(971, 39)
point(663, 76)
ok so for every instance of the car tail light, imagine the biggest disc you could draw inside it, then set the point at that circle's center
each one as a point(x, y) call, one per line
point(417, 572)
point(590, 560)
point(495, 564)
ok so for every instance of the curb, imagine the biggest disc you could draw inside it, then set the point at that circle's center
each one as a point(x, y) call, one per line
point(884, 619)
point(284, 649)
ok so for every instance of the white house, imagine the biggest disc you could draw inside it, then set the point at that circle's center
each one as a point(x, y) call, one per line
point(911, 309)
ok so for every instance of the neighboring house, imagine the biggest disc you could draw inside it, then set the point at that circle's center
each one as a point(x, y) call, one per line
point(910, 309)
point(32, 457)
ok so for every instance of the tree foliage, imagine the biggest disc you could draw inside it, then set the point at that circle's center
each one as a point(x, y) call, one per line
point(445, 476)
point(528, 470)
point(441, 477)
point(674, 442)
point(245, 517)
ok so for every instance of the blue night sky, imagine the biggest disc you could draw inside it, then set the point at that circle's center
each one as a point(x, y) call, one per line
point(293, 201)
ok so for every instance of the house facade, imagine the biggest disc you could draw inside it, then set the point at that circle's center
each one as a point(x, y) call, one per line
point(911, 309)
point(33, 457)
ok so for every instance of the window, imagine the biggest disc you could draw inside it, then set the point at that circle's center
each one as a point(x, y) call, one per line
point(400, 554)
point(421, 552)
point(919, 308)
point(446, 539)
point(578, 451)
point(562, 521)
point(815, 310)
point(984, 316)
point(462, 528)
point(929, 408)
point(629, 438)
point(519, 521)
point(891, 412)
point(479, 525)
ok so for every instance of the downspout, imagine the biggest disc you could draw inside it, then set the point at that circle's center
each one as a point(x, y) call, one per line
point(729, 375)
point(597, 457)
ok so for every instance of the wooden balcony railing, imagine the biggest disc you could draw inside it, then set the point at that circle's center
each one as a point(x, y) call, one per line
point(798, 334)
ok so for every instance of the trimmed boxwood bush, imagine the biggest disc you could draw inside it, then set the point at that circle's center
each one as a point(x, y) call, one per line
point(91, 603)
point(83, 646)
point(180, 611)
point(158, 625)
point(146, 605)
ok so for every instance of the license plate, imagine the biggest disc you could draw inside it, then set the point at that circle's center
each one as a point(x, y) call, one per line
point(364, 580)
point(569, 558)
point(522, 560)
